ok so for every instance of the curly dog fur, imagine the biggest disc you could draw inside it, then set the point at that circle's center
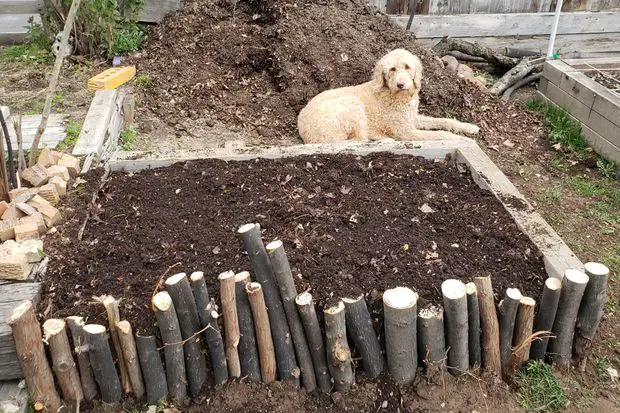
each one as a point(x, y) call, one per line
point(386, 106)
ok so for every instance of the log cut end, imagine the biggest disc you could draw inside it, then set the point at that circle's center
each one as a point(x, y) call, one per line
point(246, 228)
point(553, 284)
point(400, 298)
point(335, 309)
point(52, 327)
point(471, 289)
point(19, 311)
point(353, 300)
point(124, 327)
point(527, 301)
point(162, 301)
point(274, 246)
point(197, 276)
point(514, 294)
point(431, 312)
point(252, 288)
point(595, 268)
point(304, 298)
point(225, 275)
point(453, 289)
point(107, 300)
point(243, 276)
point(94, 329)
point(176, 278)
point(576, 276)
point(76, 320)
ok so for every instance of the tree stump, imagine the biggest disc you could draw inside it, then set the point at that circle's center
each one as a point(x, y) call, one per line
point(522, 337)
point(591, 309)
point(248, 350)
point(361, 330)
point(490, 326)
point(263, 332)
point(102, 363)
point(150, 362)
point(231, 322)
point(130, 353)
point(111, 308)
point(546, 316)
point(399, 309)
point(431, 339)
point(473, 325)
point(338, 352)
point(89, 387)
point(507, 308)
point(457, 333)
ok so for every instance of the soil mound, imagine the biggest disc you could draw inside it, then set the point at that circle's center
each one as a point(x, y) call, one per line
point(254, 66)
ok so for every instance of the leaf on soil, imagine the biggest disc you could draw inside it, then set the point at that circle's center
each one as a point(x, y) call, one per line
point(345, 190)
point(509, 143)
point(426, 209)
point(216, 250)
point(432, 255)
point(354, 218)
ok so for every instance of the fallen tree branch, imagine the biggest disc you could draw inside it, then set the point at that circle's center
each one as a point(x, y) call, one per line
point(465, 57)
point(525, 66)
point(447, 44)
point(526, 80)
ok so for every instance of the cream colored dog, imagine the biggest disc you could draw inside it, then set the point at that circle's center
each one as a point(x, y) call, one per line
point(387, 106)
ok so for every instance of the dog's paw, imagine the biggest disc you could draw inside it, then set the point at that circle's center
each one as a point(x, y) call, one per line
point(470, 129)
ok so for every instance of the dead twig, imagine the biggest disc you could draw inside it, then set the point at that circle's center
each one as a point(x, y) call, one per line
point(93, 201)
point(526, 80)
point(160, 282)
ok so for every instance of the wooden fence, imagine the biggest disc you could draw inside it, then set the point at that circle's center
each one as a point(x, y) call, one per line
point(492, 6)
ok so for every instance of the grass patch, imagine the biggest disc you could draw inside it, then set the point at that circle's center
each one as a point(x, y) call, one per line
point(564, 129)
point(144, 81)
point(128, 138)
point(538, 389)
point(36, 49)
point(39, 105)
point(606, 195)
point(552, 194)
point(73, 129)
point(126, 39)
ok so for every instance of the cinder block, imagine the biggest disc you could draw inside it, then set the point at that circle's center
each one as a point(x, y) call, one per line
point(71, 163)
point(3, 207)
point(22, 193)
point(51, 215)
point(37, 219)
point(49, 193)
point(37, 201)
point(12, 212)
point(60, 184)
point(32, 248)
point(35, 175)
point(14, 267)
point(26, 231)
point(25, 208)
point(7, 229)
point(58, 170)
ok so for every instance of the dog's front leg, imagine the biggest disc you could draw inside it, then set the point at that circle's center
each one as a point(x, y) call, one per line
point(451, 125)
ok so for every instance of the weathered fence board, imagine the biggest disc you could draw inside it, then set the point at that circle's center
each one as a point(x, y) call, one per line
point(20, 6)
point(155, 10)
point(434, 7)
point(14, 27)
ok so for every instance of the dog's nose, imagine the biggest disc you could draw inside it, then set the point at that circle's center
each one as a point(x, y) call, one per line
point(401, 86)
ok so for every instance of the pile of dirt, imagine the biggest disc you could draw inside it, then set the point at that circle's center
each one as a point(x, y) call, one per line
point(255, 66)
point(350, 225)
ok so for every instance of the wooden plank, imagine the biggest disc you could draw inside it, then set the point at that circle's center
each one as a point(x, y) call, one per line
point(155, 10)
point(96, 123)
point(509, 24)
point(21, 6)
point(609, 5)
point(602, 146)
point(567, 102)
point(607, 106)
point(480, 6)
point(438, 7)
point(54, 133)
point(14, 27)
point(544, 5)
point(604, 127)
point(578, 86)
point(553, 69)
point(13, 398)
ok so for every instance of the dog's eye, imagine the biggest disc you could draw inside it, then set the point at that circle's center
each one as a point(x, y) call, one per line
point(407, 67)
point(392, 69)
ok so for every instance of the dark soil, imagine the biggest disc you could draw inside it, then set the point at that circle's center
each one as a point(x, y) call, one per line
point(350, 225)
point(609, 79)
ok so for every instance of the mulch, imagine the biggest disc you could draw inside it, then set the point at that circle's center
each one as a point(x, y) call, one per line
point(350, 225)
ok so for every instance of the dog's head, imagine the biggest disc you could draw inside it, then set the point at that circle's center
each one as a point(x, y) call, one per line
point(399, 72)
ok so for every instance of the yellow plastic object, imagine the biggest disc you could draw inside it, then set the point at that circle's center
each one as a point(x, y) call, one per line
point(112, 78)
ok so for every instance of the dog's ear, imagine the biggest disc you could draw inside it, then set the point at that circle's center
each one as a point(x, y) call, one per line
point(378, 75)
point(417, 77)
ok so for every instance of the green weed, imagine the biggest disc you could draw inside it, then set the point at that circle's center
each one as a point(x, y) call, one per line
point(564, 129)
point(36, 49)
point(73, 129)
point(584, 186)
point(551, 195)
point(537, 388)
point(606, 168)
point(144, 81)
point(128, 138)
point(127, 38)
point(39, 105)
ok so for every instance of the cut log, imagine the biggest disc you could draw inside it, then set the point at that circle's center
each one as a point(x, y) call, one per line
point(431, 339)
point(361, 330)
point(490, 326)
point(207, 312)
point(130, 353)
point(507, 310)
point(89, 387)
point(526, 80)
point(525, 66)
point(102, 363)
point(288, 292)
point(111, 308)
point(573, 287)
point(55, 335)
point(155, 381)
point(261, 267)
point(338, 352)
point(248, 351)
point(447, 44)
point(473, 326)
point(522, 339)
point(545, 317)
point(29, 348)
point(231, 322)
point(464, 57)
point(173, 345)
point(591, 309)
point(455, 307)
point(400, 318)
point(310, 321)
point(263, 332)
point(185, 307)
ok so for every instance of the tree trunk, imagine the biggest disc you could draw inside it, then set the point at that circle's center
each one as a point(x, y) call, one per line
point(591, 309)
point(128, 345)
point(89, 387)
point(150, 362)
point(431, 339)
point(455, 307)
point(173, 346)
point(546, 315)
point(338, 352)
point(288, 292)
point(361, 330)
point(231, 322)
point(573, 287)
point(490, 326)
point(102, 363)
point(263, 332)
point(111, 307)
point(185, 307)
point(261, 267)
point(248, 350)
point(207, 312)
point(29, 348)
point(399, 309)
point(522, 338)
point(447, 44)
point(525, 66)
point(473, 326)
point(310, 322)
point(507, 309)
point(62, 360)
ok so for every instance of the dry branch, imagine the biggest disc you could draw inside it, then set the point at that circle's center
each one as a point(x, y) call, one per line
point(102, 363)
point(431, 339)
point(111, 307)
point(522, 337)
point(507, 309)
point(525, 66)
point(456, 325)
point(361, 330)
point(130, 353)
point(263, 332)
point(89, 387)
point(473, 326)
point(338, 352)
point(150, 362)
point(248, 351)
point(545, 317)
point(231, 322)
point(490, 326)
point(399, 308)
point(526, 80)
point(447, 44)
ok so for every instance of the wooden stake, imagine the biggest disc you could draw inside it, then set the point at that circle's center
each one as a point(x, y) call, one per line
point(338, 352)
point(431, 338)
point(102, 363)
point(173, 345)
point(263, 332)
point(490, 326)
point(261, 267)
point(111, 307)
point(522, 337)
point(507, 309)
point(55, 336)
point(185, 307)
point(591, 309)
point(288, 292)
point(130, 353)
point(29, 348)
point(399, 309)
point(545, 317)
point(310, 321)
point(207, 312)
point(361, 330)
point(231, 322)
point(455, 304)
point(573, 286)
point(473, 326)
point(89, 387)
point(248, 351)
point(150, 362)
